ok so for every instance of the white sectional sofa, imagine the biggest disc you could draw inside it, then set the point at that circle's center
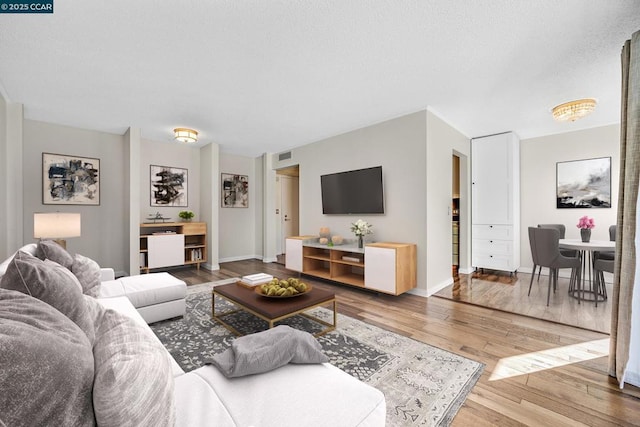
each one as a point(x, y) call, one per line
point(139, 367)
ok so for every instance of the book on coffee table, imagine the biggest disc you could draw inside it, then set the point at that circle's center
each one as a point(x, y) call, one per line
point(253, 280)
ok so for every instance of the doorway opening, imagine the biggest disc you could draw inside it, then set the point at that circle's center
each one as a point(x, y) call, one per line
point(287, 208)
point(455, 215)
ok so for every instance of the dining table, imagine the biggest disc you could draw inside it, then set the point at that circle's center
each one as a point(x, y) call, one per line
point(587, 251)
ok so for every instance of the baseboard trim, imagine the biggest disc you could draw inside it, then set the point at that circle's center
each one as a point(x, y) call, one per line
point(211, 267)
point(437, 288)
point(419, 292)
point(239, 258)
point(468, 270)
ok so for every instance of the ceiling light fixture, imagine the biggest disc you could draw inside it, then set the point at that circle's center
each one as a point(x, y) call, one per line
point(574, 110)
point(185, 134)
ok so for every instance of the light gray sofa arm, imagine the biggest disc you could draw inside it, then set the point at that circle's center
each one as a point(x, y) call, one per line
point(107, 274)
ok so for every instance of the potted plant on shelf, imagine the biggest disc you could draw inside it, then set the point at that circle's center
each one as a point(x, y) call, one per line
point(186, 215)
point(361, 228)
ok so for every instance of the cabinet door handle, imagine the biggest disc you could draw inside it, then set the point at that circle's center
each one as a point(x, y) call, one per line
point(490, 241)
point(491, 226)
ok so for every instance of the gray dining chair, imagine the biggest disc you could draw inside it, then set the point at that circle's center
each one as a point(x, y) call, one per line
point(608, 255)
point(545, 251)
point(566, 252)
point(599, 266)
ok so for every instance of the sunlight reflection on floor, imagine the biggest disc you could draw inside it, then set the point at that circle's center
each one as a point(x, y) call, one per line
point(548, 359)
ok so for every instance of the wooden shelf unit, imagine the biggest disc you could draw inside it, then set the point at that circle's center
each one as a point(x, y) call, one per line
point(189, 249)
point(395, 265)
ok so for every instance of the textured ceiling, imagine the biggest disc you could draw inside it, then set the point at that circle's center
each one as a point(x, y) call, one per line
point(261, 76)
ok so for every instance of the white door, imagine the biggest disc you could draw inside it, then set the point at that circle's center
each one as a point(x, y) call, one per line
point(289, 207)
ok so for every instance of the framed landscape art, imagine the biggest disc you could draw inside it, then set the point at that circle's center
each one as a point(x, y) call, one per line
point(70, 180)
point(235, 191)
point(583, 183)
point(169, 186)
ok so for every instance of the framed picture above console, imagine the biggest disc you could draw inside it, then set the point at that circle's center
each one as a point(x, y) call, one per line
point(169, 186)
point(70, 180)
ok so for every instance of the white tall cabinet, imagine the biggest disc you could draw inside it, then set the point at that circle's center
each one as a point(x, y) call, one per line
point(495, 202)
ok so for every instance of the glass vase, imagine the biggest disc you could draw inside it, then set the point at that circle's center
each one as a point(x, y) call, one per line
point(360, 242)
point(585, 234)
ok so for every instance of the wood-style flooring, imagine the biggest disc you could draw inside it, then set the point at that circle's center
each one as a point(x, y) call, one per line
point(537, 373)
point(501, 291)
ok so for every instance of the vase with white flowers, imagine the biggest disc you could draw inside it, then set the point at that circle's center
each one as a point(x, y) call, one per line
point(361, 228)
point(585, 224)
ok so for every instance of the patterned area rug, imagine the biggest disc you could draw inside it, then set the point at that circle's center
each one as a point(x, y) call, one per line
point(423, 385)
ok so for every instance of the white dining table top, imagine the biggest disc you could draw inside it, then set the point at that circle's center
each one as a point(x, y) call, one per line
point(592, 245)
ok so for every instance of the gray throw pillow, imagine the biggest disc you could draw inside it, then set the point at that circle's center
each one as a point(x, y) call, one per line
point(51, 283)
point(49, 249)
point(47, 370)
point(268, 350)
point(133, 382)
point(88, 273)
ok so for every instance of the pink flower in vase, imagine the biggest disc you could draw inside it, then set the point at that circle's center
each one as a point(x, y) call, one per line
point(586, 223)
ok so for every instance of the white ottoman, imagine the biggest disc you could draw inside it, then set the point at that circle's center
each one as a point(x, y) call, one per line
point(156, 296)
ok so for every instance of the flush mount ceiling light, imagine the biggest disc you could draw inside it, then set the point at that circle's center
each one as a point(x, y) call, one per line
point(185, 135)
point(574, 110)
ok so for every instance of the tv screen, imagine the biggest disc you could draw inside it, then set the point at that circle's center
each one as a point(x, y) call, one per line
point(353, 192)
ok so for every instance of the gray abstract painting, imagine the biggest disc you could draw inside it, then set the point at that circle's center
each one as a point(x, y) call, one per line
point(583, 183)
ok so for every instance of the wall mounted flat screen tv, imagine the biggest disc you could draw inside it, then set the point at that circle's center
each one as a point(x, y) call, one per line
point(353, 192)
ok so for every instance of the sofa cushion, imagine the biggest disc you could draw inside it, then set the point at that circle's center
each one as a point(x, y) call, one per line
point(49, 249)
point(123, 306)
point(133, 381)
point(51, 283)
point(307, 396)
point(30, 249)
point(151, 289)
point(198, 405)
point(47, 365)
point(268, 350)
point(88, 273)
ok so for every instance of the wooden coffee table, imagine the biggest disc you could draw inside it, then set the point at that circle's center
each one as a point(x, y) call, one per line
point(273, 310)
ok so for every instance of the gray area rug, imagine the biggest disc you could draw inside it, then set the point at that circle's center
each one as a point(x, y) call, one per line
point(423, 385)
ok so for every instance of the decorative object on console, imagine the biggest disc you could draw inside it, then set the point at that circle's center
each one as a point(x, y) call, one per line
point(584, 183)
point(585, 224)
point(235, 191)
point(70, 180)
point(361, 228)
point(573, 110)
point(323, 240)
point(325, 232)
point(186, 215)
point(185, 135)
point(57, 226)
point(169, 186)
point(337, 240)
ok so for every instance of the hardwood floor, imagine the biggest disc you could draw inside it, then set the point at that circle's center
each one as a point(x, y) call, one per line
point(501, 291)
point(537, 373)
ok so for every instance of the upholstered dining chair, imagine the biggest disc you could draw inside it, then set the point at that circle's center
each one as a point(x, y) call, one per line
point(545, 251)
point(599, 266)
point(566, 252)
point(608, 255)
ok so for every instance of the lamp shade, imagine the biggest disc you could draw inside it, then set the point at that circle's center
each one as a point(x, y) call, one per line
point(56, 225)
point(185, 135)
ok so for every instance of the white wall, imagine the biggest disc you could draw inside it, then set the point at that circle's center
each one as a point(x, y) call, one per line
point(442, 141)
point(171, 155)
point(104, 227)
point(399, 146)
point(538, 158)
point(238, 226)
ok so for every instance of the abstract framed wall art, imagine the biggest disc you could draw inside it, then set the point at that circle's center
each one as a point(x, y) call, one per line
point(235, 191)
point(583, 183)
point(169, 186)
point(70, 180)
